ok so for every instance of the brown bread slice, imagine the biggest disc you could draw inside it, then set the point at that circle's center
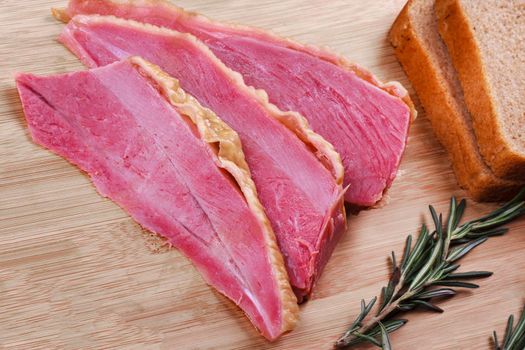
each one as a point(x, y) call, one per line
point(486, 41)
point(425, 59)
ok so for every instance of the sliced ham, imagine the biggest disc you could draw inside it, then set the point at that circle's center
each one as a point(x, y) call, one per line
point(302, 198)
point(367, 121)
point(175, 168)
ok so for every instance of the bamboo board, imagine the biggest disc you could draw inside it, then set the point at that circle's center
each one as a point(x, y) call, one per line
point(77, 273)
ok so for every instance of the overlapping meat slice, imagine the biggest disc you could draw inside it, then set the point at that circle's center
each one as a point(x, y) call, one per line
point(175, 168)
point(302, 199)
point(366, 121)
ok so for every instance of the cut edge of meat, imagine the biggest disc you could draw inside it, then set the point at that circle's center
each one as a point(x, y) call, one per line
point(331, 233)
point(230, 157)
point(393, 88)
point(292, 120)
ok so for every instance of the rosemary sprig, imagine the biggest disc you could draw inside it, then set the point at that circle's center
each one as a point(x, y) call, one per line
point(427, 270)
point(514, 338)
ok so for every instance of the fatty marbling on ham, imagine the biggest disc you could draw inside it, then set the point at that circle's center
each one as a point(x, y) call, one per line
point(175, 168)
point(365, 120)
point(303, 200)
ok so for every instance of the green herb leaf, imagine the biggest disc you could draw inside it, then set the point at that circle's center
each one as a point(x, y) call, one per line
point(385, 340)
point(436, 293)
point(427, 305)
point(459, 252)
point(469, 275)
point(458, 284)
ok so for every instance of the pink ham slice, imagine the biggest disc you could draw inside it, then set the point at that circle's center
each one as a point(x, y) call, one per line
point(365, 120)
point(159, 162)
point(302, 199)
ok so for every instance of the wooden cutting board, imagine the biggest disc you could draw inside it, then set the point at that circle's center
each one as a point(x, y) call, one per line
point(77, 273)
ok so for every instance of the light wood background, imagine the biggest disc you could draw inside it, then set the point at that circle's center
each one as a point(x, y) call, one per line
point(77, 273)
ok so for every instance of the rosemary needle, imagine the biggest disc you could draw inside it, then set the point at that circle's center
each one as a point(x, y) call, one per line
point(514, 338)
point(428, 271)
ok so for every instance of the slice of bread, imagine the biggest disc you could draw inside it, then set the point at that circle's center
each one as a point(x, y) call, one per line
point(486, 41)
point(425, 59)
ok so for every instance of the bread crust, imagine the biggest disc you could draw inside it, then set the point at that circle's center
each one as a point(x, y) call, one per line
point(458, 33)
point(445, 116)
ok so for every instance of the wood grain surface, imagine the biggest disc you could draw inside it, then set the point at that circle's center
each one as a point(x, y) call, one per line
point(77, 273)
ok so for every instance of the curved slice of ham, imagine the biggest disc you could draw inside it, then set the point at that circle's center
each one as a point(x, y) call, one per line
point(175, 167)
point(367, 121)
point(301, 197)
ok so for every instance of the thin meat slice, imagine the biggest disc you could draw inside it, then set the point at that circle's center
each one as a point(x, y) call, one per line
point(303, 200)
point(366, 121)
point(175, 167)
